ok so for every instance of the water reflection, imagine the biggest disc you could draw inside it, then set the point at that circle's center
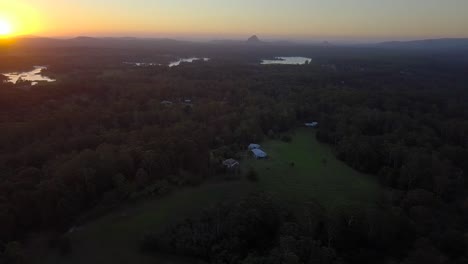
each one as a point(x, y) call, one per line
point(171, 64)
point(177, 63)
point(33, 76)
point(288, 60)
point(143, 64)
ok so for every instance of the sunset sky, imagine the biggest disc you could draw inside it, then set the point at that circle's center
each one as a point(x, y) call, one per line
point(292, 19)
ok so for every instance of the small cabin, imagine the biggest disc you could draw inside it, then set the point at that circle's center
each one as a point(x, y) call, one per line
point(231, 164)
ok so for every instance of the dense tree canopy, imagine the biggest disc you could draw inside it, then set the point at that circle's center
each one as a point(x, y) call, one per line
point(101, 135)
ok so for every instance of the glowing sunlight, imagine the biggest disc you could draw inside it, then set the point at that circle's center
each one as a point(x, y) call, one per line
point(5, 28)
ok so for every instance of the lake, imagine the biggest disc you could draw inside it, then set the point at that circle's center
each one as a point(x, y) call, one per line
point(178, 62)
point(33, 76)
point(171, 64)
point(288, 60)
point(142, 64)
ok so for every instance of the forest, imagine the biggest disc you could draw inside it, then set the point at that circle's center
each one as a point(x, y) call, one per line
point(100, 136)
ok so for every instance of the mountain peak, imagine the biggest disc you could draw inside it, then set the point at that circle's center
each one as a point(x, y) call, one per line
point(254, 39)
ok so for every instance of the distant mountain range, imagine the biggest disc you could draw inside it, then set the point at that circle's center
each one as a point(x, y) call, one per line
point(254, 41)
point(428, 44)
point(84, 41)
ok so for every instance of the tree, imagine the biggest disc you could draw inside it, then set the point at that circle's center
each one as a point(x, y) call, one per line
point(252, 175)
point(141, 178)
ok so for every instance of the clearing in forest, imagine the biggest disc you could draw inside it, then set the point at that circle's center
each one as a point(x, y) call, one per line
point(306, 171)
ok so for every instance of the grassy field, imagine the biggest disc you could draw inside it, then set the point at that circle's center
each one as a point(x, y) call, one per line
point(115, 237)
point(332, 185)
point(316, 177)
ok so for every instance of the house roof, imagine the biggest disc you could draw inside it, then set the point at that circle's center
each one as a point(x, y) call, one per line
point(254, 146)
point(230, 162)
point(311, 124)
point(259, 153)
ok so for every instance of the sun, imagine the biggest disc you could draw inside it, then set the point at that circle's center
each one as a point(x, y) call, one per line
point(5, 28)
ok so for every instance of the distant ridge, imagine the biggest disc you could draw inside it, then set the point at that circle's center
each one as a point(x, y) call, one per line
point(253, 40)
point(85, 41)
point(428, 44)
point(443, 44)
point(84, 38)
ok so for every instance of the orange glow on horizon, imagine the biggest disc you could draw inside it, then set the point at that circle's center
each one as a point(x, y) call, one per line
point(18, 19)
point(241, 18)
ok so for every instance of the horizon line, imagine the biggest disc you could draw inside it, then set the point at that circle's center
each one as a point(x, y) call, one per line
point(196, 38)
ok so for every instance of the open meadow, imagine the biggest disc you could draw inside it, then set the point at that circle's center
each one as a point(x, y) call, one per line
point(306, 171)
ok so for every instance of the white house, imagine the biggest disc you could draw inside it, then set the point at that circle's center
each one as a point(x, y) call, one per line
point(259, 154)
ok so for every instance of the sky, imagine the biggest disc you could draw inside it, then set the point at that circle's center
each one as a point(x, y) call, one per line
point(218, 19)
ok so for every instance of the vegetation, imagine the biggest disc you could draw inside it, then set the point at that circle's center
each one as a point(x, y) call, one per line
point(256, 230)
point(100, 137)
